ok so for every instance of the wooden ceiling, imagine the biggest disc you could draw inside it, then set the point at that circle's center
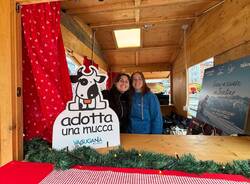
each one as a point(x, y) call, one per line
point(160, 21)
point(156, 75)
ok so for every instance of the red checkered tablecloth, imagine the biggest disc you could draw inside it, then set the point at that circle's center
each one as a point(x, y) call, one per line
point(106, 177)
point(17, 172)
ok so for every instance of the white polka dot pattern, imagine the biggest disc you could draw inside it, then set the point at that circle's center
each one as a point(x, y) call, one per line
point(45, 71)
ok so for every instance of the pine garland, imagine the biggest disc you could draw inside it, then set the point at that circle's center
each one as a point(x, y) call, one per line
point(38, 150)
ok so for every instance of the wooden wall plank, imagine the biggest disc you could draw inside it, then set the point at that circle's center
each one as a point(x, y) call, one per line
point(222, 29)
point(10, 71)
point(157, 54)
point(72, 42)
point(163, 34)
point(74, 27)
point(143, 55)
point(232, 54)
point(18, 100)
point(179, 92)
point(120, 58)
point(5, 81)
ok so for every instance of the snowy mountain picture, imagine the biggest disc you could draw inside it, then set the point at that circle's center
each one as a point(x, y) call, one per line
point(225, 96)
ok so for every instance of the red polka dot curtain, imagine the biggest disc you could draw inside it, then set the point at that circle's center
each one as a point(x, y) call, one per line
point(46, 82)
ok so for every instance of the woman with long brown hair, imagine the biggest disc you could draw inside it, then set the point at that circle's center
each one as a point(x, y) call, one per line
point(119, 99)
point(145, 115)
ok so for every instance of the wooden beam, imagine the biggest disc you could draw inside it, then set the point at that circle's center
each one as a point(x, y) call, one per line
point(137, 11)
point(72, 42)
point(156, 75)
point(211, 7)
point(127, 5)
point(137, 58)
point(171, 86)
point(137, 16)
point(150, 3)
point(142, 48)
point(150, 67)
point(73, 26)
point(83, 26)
point(171, 21)
point(239, 51)
point(137, 3)
point(17, 85)
point(180, 42)
point(101, 8)
point(77, 59)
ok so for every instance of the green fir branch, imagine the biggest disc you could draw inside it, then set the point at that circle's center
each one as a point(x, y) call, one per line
point(38, 150)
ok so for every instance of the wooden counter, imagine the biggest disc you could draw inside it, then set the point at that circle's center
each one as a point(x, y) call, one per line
point(218, 148)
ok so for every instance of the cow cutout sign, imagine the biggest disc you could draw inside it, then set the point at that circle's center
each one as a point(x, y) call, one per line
point(87, 120)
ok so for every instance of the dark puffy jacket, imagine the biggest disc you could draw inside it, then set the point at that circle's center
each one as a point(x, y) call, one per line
point(120, 103)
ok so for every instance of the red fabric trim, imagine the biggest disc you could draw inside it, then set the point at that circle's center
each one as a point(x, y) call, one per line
point(166, 172)
point(87, 63)
point(111, 78)
point(24, 172)
point(32, 172)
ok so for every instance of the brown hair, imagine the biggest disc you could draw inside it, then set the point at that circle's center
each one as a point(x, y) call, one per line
point(145, 88)
point(128, 92)
point(118, 77)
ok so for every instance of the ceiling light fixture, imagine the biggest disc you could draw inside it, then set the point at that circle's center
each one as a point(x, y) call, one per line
point(128, 37)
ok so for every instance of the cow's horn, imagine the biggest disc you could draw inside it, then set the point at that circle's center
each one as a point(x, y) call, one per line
point(79, 72)
point(93, 69)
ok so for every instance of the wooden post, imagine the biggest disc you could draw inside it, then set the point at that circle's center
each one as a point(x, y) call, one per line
point(171, 99)
point(11, 139)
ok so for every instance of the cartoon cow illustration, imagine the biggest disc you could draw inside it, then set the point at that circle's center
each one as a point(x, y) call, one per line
point(87, 92)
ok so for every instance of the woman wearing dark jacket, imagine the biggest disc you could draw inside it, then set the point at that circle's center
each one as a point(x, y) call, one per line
point(119, 99)
point(145, 116)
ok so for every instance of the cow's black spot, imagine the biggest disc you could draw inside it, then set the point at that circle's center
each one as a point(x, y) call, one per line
point(92, 91)
point(83, 82)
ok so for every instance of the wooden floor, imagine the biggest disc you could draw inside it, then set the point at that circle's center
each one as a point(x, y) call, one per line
point(221, 149)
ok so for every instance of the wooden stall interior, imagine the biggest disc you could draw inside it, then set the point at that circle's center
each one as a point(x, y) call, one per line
point(175, 34)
